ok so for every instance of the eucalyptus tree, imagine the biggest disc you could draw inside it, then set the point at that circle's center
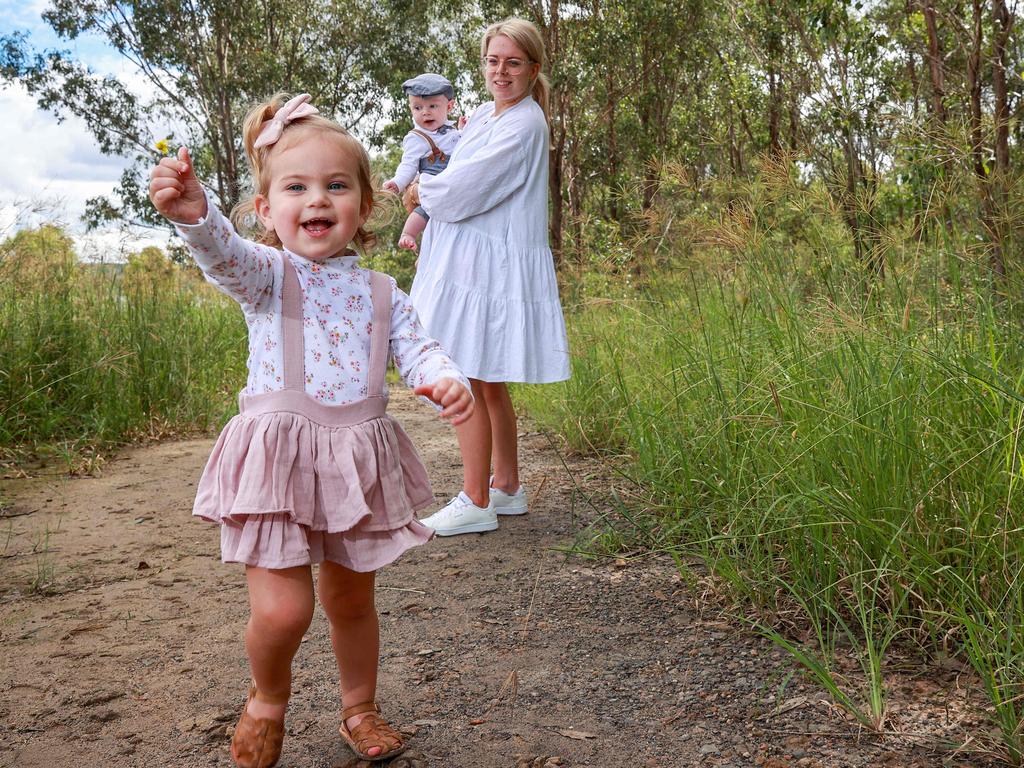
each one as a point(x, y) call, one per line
point(197, 66)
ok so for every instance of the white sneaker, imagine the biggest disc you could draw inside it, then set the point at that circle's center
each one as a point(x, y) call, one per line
point(461, 515)
point(509, 503)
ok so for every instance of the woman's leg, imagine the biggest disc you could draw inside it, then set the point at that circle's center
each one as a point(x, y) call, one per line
point(491, 432)
point(347, 598)
point(281, 609)
point(474, 437)
point(504, 436)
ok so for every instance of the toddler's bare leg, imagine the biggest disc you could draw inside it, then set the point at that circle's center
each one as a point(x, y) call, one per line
point(347, 598)
point(281, 609)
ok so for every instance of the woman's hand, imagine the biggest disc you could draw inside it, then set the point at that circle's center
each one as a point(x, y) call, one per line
point(175, 190)
point(455, 400)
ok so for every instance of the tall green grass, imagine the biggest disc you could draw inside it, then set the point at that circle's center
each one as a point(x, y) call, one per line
point(91, 358)
point(844, 455)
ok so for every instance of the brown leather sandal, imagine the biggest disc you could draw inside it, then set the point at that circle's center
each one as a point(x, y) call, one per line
point(256, 743)
point(372, 731)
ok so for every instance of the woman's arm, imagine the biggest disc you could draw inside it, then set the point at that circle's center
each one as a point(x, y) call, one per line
point(472, 185)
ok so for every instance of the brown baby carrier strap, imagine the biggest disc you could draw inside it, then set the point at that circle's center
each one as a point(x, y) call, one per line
point(294, 343)
point(435, 151)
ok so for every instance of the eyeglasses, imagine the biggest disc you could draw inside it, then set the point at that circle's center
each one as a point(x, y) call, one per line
point(512, 66)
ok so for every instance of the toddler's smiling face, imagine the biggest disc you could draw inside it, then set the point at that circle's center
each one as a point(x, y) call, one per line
point(313, 201)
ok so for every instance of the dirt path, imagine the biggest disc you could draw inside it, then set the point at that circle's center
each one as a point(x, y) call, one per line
point(120, 634)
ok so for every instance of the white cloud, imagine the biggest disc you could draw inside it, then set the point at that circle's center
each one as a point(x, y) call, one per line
point(52, 167)
point(46, 160)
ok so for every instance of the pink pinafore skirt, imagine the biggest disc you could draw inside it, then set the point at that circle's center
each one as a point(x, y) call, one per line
point(294, 481)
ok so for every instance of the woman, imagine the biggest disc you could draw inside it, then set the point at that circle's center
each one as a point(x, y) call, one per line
point(485, 286)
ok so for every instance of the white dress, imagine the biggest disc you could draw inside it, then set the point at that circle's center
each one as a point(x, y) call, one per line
point(485, 286)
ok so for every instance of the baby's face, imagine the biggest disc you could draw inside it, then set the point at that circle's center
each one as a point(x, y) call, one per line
point(430, 112)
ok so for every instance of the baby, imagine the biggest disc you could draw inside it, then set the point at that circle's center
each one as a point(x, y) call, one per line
point(426, 148)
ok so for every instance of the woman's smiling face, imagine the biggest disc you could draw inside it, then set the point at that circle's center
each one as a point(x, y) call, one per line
point(508, 72)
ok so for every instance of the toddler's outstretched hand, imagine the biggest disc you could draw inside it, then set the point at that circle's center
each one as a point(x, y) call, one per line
point(455, 400)
point(408, 242)
point(462, 122)
point(175, 190)
point(390, 186)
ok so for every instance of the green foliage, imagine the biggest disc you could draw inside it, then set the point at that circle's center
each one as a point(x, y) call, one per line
point(204, 66)
point(842, 453)
point(88, 359)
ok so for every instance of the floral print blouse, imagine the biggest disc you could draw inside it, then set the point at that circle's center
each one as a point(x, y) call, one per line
point(337, 315)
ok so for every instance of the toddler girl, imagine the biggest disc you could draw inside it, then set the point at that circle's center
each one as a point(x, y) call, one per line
point(425, 149)
point(311, 470)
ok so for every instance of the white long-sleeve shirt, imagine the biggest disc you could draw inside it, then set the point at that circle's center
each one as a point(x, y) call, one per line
point(415, 147)
point(337, 315)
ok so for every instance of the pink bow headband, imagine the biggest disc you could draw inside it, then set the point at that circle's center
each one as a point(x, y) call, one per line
point(292, 110)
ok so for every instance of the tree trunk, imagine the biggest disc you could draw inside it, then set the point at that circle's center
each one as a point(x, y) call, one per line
point(555, 158)
point(774, 82)
point(1001, 22)
point(915, 87)
point(974, 109)
point(935, 66)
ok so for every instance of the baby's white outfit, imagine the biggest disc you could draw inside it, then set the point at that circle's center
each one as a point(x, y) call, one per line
point(415, 148)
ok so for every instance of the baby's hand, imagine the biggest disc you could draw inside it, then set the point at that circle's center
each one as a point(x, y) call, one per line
point(455, 400)
point(390, 186)
point(175, 190)
point(408, 242)
point(462, 122)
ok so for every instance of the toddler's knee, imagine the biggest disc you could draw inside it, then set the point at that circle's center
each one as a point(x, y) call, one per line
point(282, 620)
point(342, 608)
point(355, 611)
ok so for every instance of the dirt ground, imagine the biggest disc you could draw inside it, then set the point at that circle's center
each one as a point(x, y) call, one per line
point(121, 641)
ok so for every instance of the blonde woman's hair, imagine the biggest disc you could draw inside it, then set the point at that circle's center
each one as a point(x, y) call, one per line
point(525, 35)
point(259, 167)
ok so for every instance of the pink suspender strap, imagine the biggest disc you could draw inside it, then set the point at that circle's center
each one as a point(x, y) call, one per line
point(380, 335)
point(294, 351)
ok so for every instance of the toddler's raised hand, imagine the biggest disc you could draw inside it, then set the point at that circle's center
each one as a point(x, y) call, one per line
point(175, 190)
point(455, 400)
point(390, 186)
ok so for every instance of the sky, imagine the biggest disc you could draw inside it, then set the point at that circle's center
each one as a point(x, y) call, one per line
point(52, 167)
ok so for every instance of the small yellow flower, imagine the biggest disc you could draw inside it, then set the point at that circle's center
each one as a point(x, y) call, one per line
point(163, 146)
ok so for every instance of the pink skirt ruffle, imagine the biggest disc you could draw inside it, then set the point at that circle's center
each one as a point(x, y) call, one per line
point(290, 491)
point(274, 541)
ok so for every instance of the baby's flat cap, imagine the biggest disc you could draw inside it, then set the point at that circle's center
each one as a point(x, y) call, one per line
point(428, 84)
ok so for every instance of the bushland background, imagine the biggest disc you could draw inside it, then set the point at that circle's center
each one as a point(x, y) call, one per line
point(788, 236)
